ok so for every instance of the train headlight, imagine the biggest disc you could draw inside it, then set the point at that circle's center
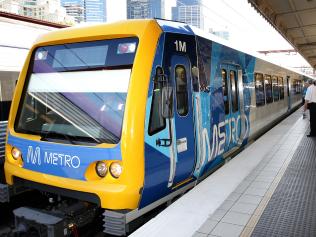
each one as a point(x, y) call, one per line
point(101, 169)
point(116, 169)
point(16, 153)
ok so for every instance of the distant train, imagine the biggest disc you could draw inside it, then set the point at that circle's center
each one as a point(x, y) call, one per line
point(123, 117)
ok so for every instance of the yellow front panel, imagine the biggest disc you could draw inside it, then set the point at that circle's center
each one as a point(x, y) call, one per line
point(124, 192)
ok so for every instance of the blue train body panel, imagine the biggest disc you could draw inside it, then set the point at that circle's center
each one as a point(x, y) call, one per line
point(157, 167)
point(72, 162)
point(213, 132)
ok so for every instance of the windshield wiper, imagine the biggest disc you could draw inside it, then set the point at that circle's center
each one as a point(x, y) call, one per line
point(46, 135)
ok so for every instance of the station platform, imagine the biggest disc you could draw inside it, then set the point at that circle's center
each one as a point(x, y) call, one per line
point(266, 190)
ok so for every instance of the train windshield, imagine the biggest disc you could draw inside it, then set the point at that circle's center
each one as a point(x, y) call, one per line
point(76, 93)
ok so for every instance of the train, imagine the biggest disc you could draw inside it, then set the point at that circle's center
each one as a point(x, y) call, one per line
point(114, 120)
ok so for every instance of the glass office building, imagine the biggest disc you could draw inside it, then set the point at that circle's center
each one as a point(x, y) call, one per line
point(74, 8)
point(189, 11)
point(140, 9)
point(95, 10)
point(86, 10)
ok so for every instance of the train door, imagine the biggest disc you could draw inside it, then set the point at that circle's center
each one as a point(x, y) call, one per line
point(231, 78)
point(180, 57)
point(183, 117)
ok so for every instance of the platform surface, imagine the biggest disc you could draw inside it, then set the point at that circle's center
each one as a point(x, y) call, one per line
point(291, 210)
point(231, 201)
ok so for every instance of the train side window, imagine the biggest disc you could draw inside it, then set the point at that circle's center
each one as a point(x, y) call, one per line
point(281, 87)
point(181, 90)
point(204, 62)
point(293, 84)
point(225, 90)
point(234, 91)
point(259, 88)
point(156, 121)
point(275, 88)
point(268, 86)
point(298, 87)
point(295, 87)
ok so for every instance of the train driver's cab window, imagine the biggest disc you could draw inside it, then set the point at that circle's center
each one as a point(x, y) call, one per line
point(268, 86)
point(156, 121)
point(275, 88)
point(225, 91)
point(259, 88)
point(234, 90)
point(281, 87)
point(181, 90)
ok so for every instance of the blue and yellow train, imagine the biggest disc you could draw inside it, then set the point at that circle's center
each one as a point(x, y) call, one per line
point(126, 116)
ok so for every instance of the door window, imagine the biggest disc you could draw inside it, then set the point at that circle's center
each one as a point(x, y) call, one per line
point(260, 99)
point(156, 121)
point(275, 88)
point(281, 86)
point(181, 90)
point(268, 85)
point(225, 91)
point(234, 92)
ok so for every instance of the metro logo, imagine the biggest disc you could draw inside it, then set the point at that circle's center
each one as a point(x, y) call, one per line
point(220, 138)
point(54, 158)
point(34, 157)
point(51, 158)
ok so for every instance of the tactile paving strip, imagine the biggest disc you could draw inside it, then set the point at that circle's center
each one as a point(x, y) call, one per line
point(291, 210)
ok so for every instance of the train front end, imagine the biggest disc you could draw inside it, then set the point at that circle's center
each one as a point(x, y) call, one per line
point(72, 128)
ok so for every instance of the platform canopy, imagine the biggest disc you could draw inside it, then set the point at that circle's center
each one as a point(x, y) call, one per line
point(295, 20)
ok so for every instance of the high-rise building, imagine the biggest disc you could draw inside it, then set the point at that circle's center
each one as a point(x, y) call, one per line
point(86, 10)
point(10, 6)
point(158, 8)
point(74, 8)
point(189, 11)
point(39, 9)
point(94, 10)
point(139, 9)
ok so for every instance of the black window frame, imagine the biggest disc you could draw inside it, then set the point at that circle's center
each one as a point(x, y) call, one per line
point(225, 91)
point(204, 62)
point(281, 87)
point(234, 92)
point(259, 90)
point(275, 88)
point(180, 93)
point(156, 105)
point(268, 88)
